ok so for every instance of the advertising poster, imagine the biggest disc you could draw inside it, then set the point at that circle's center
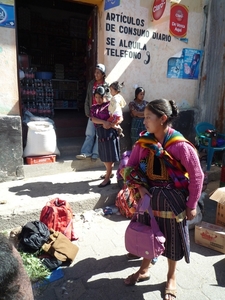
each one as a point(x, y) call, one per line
point(178, 20)
point(158, 9)
point(185, 65)
point(111, 3)
point(7, 16)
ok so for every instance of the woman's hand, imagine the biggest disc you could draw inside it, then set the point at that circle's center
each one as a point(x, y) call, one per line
point(190, 213)
point(142, 190)
point(107, 125)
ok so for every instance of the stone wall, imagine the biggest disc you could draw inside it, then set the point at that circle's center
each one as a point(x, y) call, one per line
point(11, 160)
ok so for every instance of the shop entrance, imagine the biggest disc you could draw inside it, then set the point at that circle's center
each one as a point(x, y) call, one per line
point(57, 53)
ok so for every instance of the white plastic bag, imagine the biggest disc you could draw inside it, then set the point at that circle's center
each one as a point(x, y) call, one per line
point(41, 139)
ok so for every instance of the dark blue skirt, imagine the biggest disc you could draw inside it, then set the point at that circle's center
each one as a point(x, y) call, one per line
point(108, 144)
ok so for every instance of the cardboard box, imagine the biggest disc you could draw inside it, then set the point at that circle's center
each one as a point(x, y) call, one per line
point(219, 197)
point(210, 236)
point(31, 160)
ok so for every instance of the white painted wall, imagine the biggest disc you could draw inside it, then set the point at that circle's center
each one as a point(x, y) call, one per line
point(152, 76)
point(8, 75)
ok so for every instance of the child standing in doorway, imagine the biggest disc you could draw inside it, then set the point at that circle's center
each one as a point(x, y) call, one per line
point(117, 102)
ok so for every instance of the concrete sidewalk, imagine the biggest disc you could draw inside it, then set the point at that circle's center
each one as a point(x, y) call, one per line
point(22, 200)
point(98, 270)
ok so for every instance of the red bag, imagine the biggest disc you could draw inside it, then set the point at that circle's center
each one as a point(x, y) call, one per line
point(58, 215)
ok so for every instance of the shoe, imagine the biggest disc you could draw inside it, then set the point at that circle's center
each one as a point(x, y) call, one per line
point(103, 185)
point(131, 256)
point(81, 156)
point(94, 159)
point(170, 294)
point(103, 176)
point(130, 280)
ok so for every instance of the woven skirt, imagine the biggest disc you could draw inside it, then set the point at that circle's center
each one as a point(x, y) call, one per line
point(164, 202)
point(137, 127)
point(108, 145)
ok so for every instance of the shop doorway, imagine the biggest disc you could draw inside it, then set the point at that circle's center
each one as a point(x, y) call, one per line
point(57, 51)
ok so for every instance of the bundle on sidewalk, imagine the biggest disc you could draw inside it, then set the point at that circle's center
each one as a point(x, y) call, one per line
point(57, 214)
point(50, 239)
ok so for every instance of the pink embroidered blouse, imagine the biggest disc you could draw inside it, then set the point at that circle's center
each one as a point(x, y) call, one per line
point(187, 155)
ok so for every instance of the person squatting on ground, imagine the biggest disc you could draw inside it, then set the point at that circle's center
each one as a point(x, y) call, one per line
point(117, 102)
point(164, 165)
point(136, 108)
point(108, 140)
point(90, 145)
point(14, 281)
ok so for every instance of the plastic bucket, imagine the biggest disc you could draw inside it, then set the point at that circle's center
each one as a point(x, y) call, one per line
point(43, 75)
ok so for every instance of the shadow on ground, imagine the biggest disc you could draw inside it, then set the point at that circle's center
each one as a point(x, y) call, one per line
point(42, 189)
point(84, 282)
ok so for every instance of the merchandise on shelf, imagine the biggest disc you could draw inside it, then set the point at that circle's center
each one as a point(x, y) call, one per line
point(65, 94)
point(57, 47)
point(37, 95)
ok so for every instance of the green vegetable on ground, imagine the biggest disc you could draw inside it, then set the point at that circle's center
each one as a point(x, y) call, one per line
point(35, 269)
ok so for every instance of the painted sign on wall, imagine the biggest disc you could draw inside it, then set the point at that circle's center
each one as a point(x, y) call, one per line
point(133, 39)
point(178, 20)
point(129, 27)
point(7, 16)
point(185, 65)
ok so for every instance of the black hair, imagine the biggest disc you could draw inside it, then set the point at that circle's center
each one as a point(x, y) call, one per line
point(100, 90)
point(138, 91)
point(117, 86)
point(161, 107)
point(9, 270)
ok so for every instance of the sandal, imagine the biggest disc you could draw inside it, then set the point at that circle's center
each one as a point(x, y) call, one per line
point(130, 280)
point(170, 294)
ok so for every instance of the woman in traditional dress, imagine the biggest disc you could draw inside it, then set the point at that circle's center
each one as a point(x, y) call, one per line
point(164, 165)
point(137, 107)
point(108, 140)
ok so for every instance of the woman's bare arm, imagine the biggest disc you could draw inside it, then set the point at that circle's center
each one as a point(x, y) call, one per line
point(104, 123)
